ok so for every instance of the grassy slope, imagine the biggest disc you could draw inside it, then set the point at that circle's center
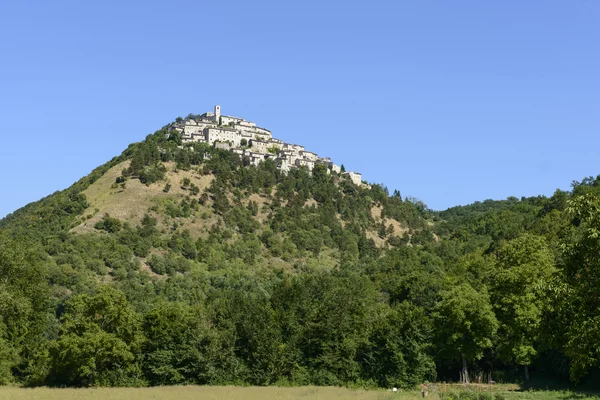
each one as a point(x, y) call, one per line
point(131, 203)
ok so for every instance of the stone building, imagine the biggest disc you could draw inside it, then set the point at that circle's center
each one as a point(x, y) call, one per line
point(221, 134)
point(302, 162)
point(259, 146)
point(309, 155)
point(355, 177)
point(227, 132)
point(335, 168)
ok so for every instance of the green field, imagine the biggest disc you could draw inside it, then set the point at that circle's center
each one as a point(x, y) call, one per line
point(268, 393)
point(199, 392)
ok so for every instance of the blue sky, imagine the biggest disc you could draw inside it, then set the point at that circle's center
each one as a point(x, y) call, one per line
point(447, 101)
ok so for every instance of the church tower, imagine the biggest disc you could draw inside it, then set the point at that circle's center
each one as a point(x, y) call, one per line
point(217, 114)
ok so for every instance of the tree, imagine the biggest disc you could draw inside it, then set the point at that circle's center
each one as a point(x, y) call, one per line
point(327, 319)
point(148, 226)
point(181, 345)
point(523, 267)
point(91, 358)
point(397, 353)
point(109, 224)
point(8, 359)
point(24, 306)
point(99, 340)
point(465, 325)
point(581, 273)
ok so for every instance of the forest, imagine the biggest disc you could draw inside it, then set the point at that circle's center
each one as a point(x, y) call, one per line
point(315, 291)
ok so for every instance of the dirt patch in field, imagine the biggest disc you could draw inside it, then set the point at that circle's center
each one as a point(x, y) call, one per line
point(310, 203)
point(376, 211)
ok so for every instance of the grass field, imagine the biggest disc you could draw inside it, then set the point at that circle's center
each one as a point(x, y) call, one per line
point(509, 392)
point(200, 392)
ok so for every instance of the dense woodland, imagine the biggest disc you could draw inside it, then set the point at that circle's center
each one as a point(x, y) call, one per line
point(509, 288)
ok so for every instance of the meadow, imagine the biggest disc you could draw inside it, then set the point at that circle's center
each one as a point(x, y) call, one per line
point(450, 392)
point(200, 392)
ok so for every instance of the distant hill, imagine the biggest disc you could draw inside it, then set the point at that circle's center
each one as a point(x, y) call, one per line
point(197, 190)
point(182, 262)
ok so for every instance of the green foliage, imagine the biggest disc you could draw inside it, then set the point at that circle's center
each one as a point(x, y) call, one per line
point(268, 278)
point(180, 346)
point(398, 351)
point(169, 264)
point(146, 162)
point(99, 340)
point(582, 276)
point(524, 266)
point(109, 224)
point(465, 323)
point(469, 395)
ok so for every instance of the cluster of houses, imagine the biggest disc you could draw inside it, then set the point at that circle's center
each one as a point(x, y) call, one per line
point(252, 143)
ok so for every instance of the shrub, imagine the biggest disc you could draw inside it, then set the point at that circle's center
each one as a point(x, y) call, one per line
point(157, 264)
point(485, 396)
point(468, 395)
point(109, 224)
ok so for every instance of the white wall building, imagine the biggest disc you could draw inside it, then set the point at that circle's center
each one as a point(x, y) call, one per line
point(309, 155)
point(227, 120)
point(259, 146)
point(355, 177)
point(226, 132)
point(305, 163)
point(223, 135)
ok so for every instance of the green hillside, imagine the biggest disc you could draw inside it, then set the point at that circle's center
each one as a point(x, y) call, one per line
point(177, 263)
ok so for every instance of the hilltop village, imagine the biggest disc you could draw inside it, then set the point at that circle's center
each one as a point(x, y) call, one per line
point(251, 142)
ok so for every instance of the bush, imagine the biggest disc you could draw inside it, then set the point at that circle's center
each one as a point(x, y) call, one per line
point(485, 396)
point(450, 396)
point(168, 264)
point(109, 224)
point(157, 264)
point(468, 395)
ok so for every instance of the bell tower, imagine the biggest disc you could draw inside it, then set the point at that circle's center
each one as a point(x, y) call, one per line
point(217, 113)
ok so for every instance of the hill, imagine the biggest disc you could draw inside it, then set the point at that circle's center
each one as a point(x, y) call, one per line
point(180, 262)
